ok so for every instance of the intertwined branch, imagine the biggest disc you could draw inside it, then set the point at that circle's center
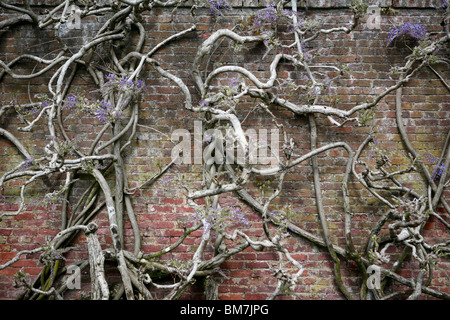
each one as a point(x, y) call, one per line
point(120, 87)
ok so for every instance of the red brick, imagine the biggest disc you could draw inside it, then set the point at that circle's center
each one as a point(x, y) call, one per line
point(161, 208)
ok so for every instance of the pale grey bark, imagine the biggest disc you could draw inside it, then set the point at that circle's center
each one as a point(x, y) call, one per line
point(140, 271)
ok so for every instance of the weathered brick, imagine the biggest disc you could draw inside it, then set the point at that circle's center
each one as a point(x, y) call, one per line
point(424, 105)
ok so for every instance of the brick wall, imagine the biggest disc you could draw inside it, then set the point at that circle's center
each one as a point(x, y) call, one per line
point(160, 207)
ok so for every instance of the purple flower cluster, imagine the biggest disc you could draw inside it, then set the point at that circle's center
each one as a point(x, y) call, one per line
point(103, 110)
point(74, 100)
point(307, 56)
point(300, 19)
point(207, 140)
point(233, 83)
point(111, 77)
point(438, 166)
point(124, 84)
point(437, 172)
point(71, 101)
point(36, 109)
point(445, 4)
point(431, 158)
point(298, 26)
point(165, 179)
point(407, 30)
point(238, 216)
point(216, 7)
point(268, 15)
point(27, 163)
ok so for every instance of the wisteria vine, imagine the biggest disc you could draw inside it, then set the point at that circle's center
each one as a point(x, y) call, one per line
point(287, 35)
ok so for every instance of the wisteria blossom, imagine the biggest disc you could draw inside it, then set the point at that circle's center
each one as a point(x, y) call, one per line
point(414, 31)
